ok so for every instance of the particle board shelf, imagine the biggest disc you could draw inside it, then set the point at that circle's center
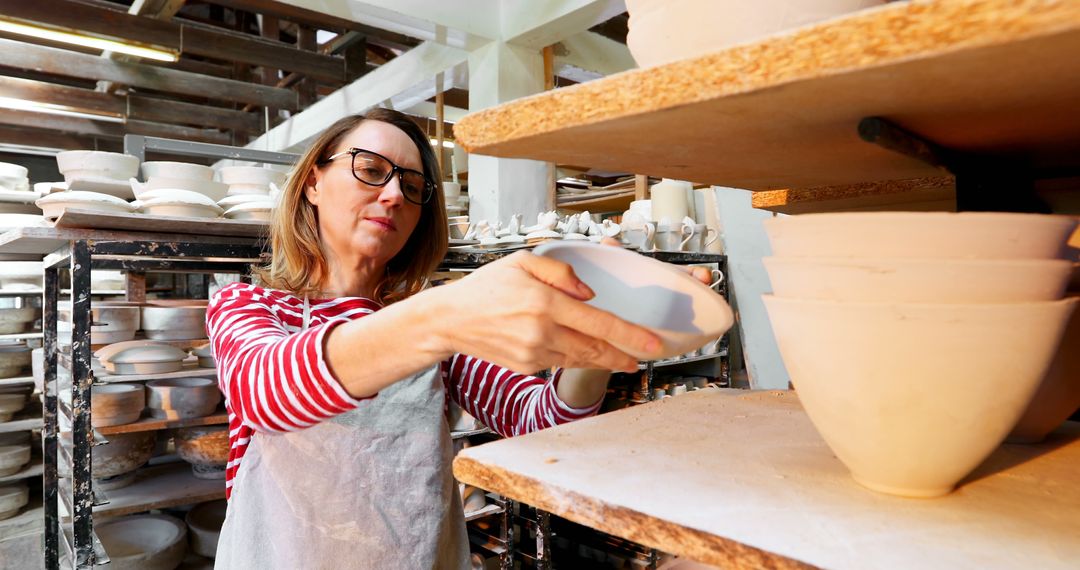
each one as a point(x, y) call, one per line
point(484, 512)
point(33, 469)
point(156, 487)
point(764, 491)
point(75, 218)
point(151, 424)
point(980, 76)
point(920, 194)
point(469, 433)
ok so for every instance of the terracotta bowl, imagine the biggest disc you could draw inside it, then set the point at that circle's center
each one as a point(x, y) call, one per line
point(920, 235)
point(116, 404)
point(12, 498)
point(204, 525)
point(1058, 396)
point(912, 397)
point(206, 448)
point(181, 398)
point(143, 542)
point(13, 458)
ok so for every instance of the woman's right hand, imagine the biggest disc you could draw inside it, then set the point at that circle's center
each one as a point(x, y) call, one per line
point(527, 313)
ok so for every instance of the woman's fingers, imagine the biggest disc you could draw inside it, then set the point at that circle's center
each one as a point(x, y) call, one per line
point(554, 273)
point(576, 350)
point(703, 274)
point(600, 324)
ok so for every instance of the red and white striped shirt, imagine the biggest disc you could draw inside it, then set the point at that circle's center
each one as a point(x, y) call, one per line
point(275, 379)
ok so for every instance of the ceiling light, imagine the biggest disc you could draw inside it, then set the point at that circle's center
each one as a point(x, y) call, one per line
point(24, 105)
point(82, 39)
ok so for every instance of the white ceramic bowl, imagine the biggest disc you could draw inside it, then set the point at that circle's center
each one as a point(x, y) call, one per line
point(175, 322)
point(176, 170)
point(921, 235)
point(204, 525)
point(209, 188)
point(144, 359)
point(13, 458)
point(17, 320)
point(179, 207)
point(261, 211)
point(251, 176)
point(116, 404)
point(13, 177)
point(21, 272)
point(912, 397)
point(54, 204)
point(206, 448)
point(685, 313)
point(182, 398)
point(1058, 396)
point(661, 31)
point(12, 498)
point(237, 199)
point(143, 542)
point(918, 280)
point(93, 163)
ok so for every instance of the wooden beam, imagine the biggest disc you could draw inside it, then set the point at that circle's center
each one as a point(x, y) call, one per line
point(97, 128)
point(51, 139)
point(641, 187)
point(178, 34)
point(61, 62)
point(305, 41)
point(153, 109)
point(318, 19)
point(549, 68)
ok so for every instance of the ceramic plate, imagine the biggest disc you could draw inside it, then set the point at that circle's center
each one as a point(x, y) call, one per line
point(110, 186)
point(684, 312)
point(53, 205)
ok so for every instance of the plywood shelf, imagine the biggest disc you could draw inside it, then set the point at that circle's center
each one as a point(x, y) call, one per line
point(981, 76)
point(762, 490)
point(618, 202)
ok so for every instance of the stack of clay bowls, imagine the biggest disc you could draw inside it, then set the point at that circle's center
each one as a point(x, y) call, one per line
point(259, 184)
point(916, 340)
point(95, 171)
point(12, 498)
point(181, 319)
point(14, 358)
point(141, 357)
point(112, 322)
point(204, 526)
point(206, 448)
point(13, 177)
point(182, 398)
point(18, 320)
point(164, 175)
point(13, 458)
point(113, 465)
point(143, 542)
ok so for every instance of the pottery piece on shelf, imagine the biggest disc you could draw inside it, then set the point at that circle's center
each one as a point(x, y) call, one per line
point(148, 358)
point(261, 211)
point(143, 542)
point(915, 426)
point(669, 200)
point(12, 498)
point(205, 355)
point(174, 322)
point(98, 185)
point(204, 526)
point(209, 188)
point(53, 205)
point(13, 458)
point(116, 404)
point(662, 31)
point(14, 358)
point(113, 464)
point(1058, 396)
point(21, 272)
point(918, 280)
point(12, 176)
point(237, 199)
point(252, 175)
point(11, 404)
point(182, 398)
point(178, 203)
point(472, 498)
point(681, 310)
point(176, 170)
point(206, 448)
point(920, 235)
point(114, 321)
point(94, 163)
point(17, 320)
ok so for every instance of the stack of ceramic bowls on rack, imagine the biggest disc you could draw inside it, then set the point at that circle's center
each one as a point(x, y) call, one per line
point(253, 191)
point(178, 189)
point(111, 321)
point(916, 340)
point(13, 177)
point(96, 181)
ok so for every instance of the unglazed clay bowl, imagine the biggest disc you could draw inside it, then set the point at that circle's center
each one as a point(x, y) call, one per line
point(113, 465)
point(920, 235)
point(204, 526)
point(21, 272)
point(93, 163)
point(205, 355)
point(116, 404)
point(252, 176)
point(1058, 396)
point(174, 322)
point(912, 397)
point(13, 458)
point(17, 320)
point(176, 170)
point(139, 357)
point(918, 280)
point(206, 448)
point(178, 207)
point(143, 542)
point(256, 211)
point(112, 322)
point(10, 404)
point(14, 358)
point(682, 311)
point(182, 398)
point(12, 498)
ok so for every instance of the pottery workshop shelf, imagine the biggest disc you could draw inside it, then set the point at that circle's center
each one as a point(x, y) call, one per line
point(765, 491)
point(28, 419)
point(977, 76)
point(190, 370)
point(21, 336)
point(678, 361)
point(470, 433)
point(34, 243)
point(33, 469)
point(616, 202)
point(30, 521)
point(157, 487)
point(145, 223)
point(481, 513)
point(151, 424)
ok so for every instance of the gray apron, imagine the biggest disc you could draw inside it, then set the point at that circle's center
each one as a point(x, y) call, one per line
point(370, 488)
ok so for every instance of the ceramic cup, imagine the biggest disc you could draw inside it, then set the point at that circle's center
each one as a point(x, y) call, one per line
point(672, 238)
point(640, 238)
point(700, 240)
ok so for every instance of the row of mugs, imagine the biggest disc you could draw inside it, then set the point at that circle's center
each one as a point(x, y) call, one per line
point(683, 237)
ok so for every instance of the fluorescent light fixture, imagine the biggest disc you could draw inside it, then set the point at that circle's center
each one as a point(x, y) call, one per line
point(24, 105)
point(445, 143)
point(82, 39)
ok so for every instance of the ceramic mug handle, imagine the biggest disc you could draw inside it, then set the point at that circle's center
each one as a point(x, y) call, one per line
point(686, 237)
point(710, 241)
point(648, 244)
point(718, 278)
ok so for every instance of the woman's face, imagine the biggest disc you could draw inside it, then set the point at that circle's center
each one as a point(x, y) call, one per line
point(357, 220)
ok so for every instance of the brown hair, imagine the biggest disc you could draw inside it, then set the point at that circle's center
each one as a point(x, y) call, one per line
point(297, 263)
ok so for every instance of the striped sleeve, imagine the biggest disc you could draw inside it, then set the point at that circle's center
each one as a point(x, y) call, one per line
point(273, 380)
point(507, 402)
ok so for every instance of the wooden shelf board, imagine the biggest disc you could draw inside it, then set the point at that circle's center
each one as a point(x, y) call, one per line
point(74, 218)
point(34, 243)
point(741, 479)
point(21, 336)
point(983, 76)
point(157, 487)
point(33, 469)
point(151, 424)
point(920, 194)
point(613, 203)
point(488, 510)
point(469, 433)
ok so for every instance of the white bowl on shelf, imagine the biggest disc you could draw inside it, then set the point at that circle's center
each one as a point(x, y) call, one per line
point(13, 458)
point(209, 188)
point(205, 448)
point(12, 498)
point(21, 273)
point(143, 542)
point(94, 163)
point(682, 311)
point(116, 404)
point(182, 398)
point(237, 199)
point(260, 210)
point(154, 358)
point(205, 355)
point(13, 176)
point(14, 321)
point(204, 526)
point(54, 204)
point(920, 235)
point(176, 170)
point(174, 321)
point(245, 176)
point(179, 204)
point(911, 397)
point(918, 280)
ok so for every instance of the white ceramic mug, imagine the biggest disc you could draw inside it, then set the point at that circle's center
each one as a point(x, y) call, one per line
point(640, 238)
point(699, 240)
point(673, 238)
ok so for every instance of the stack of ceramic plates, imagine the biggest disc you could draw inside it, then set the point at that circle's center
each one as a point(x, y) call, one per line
point(97, 171)
point(916, 340)
point(163, 175)
point(53, 205)
point(178, 204)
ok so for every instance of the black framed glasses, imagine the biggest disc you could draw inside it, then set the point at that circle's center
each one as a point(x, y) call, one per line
point(374, 169)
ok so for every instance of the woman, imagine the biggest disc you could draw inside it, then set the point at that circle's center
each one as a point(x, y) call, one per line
point(339, 449)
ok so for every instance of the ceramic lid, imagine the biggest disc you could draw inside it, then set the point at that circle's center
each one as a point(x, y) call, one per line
point(133, 351)
point(230, 201)
point(77, 197)
point(251, 206)
point(172, 200)
point(204, 351)
point(175, 195)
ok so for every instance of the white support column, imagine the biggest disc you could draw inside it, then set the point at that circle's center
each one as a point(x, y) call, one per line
point(500, 187)
point(589, 55)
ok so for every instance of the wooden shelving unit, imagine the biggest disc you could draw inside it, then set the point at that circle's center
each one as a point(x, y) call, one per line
point(152, 424)
point(156, 487)
point(985, 77)
point(764, 490)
